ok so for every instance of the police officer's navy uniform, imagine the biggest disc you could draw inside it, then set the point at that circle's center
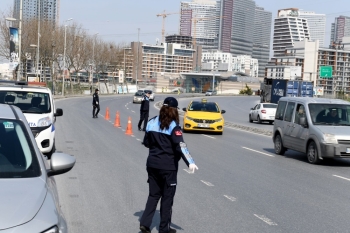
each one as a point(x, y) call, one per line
point(95, 104)
point(144, 112)
point(166, 148)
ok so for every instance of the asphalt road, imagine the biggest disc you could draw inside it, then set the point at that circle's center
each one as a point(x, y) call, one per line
point(241, 185)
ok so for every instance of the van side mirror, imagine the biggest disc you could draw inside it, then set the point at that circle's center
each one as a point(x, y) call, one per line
point(59, 112)
point(303, 122)
point(184, 109)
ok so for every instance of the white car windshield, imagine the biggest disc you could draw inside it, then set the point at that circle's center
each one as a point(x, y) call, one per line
point(28, 102)
point(17, 155)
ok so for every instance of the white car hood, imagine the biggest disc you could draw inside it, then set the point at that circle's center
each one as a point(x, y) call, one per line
point(34, 118)
point(20, 200)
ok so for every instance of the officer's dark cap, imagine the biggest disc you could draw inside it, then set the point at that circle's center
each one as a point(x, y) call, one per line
point(171, 102)
point(96, 89)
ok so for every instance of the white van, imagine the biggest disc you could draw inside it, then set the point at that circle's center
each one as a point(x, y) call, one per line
point(315, 126)
point(38, 106)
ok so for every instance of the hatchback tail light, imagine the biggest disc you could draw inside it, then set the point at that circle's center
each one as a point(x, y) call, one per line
point(263, 111)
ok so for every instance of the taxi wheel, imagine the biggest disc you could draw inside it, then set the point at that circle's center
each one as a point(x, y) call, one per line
point(250, 118)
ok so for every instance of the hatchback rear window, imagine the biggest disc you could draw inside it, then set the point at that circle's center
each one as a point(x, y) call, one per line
point(269, 105)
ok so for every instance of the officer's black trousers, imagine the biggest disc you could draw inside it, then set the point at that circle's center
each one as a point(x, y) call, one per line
point(162, 185)
point(144, 118)
point(94, 109)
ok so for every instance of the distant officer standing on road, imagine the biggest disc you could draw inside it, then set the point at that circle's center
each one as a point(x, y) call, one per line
point(166, 146)
point(95, 104)
point(144, 111)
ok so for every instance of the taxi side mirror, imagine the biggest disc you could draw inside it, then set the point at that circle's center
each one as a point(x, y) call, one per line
point(184, 109)
point(223, 111)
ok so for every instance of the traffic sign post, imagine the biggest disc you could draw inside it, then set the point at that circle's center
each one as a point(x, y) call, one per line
point(326, 71)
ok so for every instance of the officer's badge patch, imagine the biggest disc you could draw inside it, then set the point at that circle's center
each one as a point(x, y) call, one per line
point(178, 133)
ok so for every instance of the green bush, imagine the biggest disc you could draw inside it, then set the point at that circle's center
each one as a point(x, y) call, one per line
point(246, 91)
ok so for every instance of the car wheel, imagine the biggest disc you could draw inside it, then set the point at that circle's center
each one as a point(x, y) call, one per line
point(279, 148)
point(259, 120)
point(250, 118)
point(312, 153)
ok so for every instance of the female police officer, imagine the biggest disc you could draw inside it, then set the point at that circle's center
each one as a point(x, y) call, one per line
point(166, 146)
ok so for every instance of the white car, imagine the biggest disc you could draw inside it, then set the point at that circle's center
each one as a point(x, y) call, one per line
point(263, 112)
point(38, 106)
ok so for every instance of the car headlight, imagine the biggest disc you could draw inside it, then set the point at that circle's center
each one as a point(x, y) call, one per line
point(46, 121)
point(330, 138)
point(218, 120)
point(189, 118)
point(51, 230)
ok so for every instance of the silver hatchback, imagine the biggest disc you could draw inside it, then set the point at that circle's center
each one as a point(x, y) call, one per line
point(28, 194)
point(315, 126)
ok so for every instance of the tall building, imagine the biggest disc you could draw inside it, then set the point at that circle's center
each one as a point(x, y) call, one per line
point(340, 29)
point(288, 29)
point(262, 38)
point(317, 25)
point(49, 10)
point(236, 26)
point(200, 19)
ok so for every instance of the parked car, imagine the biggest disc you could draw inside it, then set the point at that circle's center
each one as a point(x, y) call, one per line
point(263, 112)
point(210, 93)
point(37, 104)
point(151, 97)
point(317, 127)
point(137, 98)
point(29, 198)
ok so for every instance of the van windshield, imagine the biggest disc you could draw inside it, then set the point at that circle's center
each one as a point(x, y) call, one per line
point(330, 114)
point(28, 102)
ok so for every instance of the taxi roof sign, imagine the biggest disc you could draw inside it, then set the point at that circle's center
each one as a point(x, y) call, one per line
point(204, 100)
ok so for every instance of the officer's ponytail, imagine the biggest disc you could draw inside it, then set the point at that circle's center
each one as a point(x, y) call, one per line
point(168, 115)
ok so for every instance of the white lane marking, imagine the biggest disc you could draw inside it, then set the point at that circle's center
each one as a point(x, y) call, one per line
point(127, 108)
point(126, 105)
point(132, 111)
point(123, 129)
point(138, 139)
point(230, 198)
point(208, 136)
point(188, 171)
point(344, 178)
point(207, 183)
point(266, 220)
point(133, 136)
point(258, 151)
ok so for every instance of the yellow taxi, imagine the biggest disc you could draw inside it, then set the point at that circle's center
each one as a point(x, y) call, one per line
point(203, 116)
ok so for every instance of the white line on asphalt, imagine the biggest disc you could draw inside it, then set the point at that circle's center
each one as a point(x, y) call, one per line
point(123, 129)
point(266, 220)
point(342, 177)
point(126, 105)
point(229, 127)
point(188, 171)
point(138, 139)
point(127, 108)
point(207, 183)
point(230, 198)
point(133, 136)
point(258, 151)
point(208, 136)
point(132, 111)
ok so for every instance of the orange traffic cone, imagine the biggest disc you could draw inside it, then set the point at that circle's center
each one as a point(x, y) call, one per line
point(129, 127)
point(107, 114)
point(117, 120)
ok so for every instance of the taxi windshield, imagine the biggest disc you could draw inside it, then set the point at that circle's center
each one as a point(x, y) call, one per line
point(28, 102)
point(203, 107)
point(330, 114)
point(17, 155)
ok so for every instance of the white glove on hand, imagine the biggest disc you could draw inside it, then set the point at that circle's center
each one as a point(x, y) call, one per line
point(96, 102)
point(192, 167)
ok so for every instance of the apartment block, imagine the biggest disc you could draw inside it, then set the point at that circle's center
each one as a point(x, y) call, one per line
point(340, 28)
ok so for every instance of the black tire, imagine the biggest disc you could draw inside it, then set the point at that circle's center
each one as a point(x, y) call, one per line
point(279, 148)
point(259, 120)
point(312, 153)
point(250, 118)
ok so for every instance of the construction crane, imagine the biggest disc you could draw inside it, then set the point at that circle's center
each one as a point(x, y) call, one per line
point(195, 21)
point(164, 15)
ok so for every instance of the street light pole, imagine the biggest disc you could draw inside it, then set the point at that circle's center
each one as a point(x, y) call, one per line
point(38, 48)
point(64, 55)
point(93, 60)
point(137, 63)
point(19, 40)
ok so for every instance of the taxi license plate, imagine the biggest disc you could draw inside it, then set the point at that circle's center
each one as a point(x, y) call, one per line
point(348, 150)
point(203, 125)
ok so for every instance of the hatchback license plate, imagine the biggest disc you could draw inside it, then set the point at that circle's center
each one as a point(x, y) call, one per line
point(203, 125)
point(348, 150)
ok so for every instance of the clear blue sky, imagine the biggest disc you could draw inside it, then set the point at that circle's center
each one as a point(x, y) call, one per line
point(118, 20)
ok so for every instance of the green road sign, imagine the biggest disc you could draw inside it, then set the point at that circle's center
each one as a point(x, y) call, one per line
point(326, 71)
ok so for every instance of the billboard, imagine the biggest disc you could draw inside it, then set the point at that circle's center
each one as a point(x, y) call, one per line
point(13, 47)
point(292, 12)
